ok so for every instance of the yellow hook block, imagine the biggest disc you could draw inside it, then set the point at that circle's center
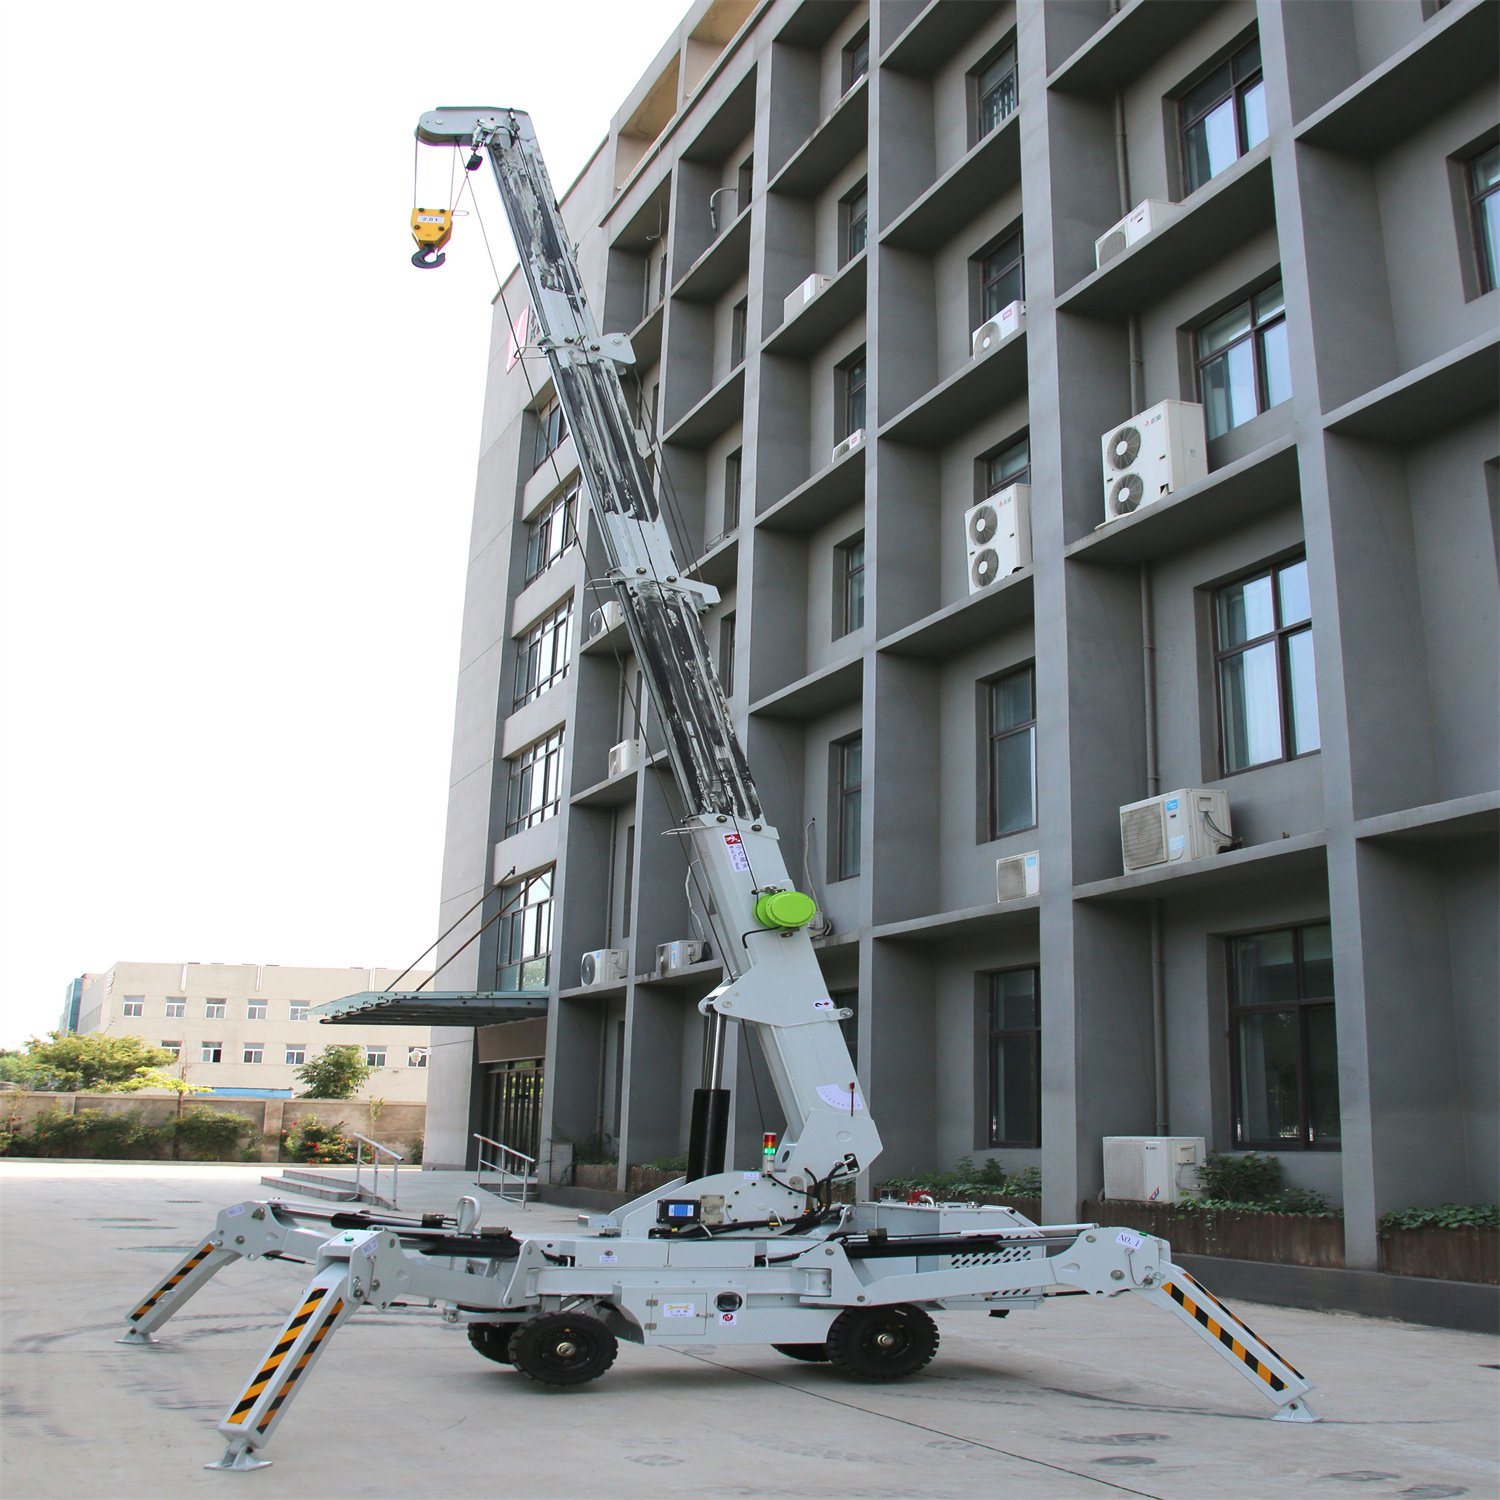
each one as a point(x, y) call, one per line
point(431, 228)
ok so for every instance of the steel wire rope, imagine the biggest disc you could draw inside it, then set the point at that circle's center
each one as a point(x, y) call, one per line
point(711, 914)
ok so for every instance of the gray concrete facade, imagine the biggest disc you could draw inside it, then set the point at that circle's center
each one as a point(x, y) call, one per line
point(1380, 469)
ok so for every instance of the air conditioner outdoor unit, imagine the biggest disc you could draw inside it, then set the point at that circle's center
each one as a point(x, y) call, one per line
point(997, 533)
point(849, 444)
point(624, 758)
point(1006, 323)
point(605, 618)
point(1136, 225)
point(1151, 1168)
point(1191, 823)
point(673, 956)
point(603, 966)
point(1151, 455)
point(803, 295)
point(1017, 875)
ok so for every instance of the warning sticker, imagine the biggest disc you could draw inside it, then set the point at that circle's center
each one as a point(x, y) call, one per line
point(679, 1310)
point(822, 1004)
point(738, 859)
point(608, 1258)
point(1129, 1240)
point(728, 1319)
point(841, 1096)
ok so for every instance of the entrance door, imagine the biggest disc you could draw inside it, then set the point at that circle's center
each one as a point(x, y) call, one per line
point(513, 1104)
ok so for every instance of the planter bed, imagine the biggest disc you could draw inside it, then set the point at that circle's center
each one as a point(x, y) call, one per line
point(1288, 1239)
point(1443, 1254)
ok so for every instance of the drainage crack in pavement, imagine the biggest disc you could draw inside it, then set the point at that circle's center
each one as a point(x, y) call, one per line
point(938, 1432)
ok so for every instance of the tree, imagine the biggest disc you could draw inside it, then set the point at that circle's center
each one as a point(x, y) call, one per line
point(335, 1073)
point(91, 1062)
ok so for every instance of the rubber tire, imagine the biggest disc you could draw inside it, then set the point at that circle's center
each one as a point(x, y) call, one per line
point(856, 1346)
point(534, 1349)
point(492, 1340)
point(813, 1354)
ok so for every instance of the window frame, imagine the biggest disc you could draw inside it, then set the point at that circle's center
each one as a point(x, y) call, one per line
point(548, 752)
point(978, 94)
point(1301, 1003)
point(1255, 337)
point(215, 1010)
point(725, 663)
point(547, 541)
point(375, 1055)
point(989, 256)
point(854, 221)
point(417, 1056)
point(1280, 634)
point(305, 1006)
point(993, 737)
point(734, 470)
point(258, 1048)
point(991, 482)
point(851, 393)
point(174, 1047)
point(855, 59)
point(995, 1137)
point(1486, 256)
point(850, 594)
point(133, 1006)
point(848, 809)
point(518, 911)
point(549, 638)
point(1238, 88)
point(551, 430)
point(255, 1010)
point(739, 332)
point(300, 1060)
point(204, 1048)
point(176, 1007)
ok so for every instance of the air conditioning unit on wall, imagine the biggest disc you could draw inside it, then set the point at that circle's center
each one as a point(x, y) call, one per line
point(605, 618)
point(802, 296)
point(679, 955)
point(603, 966)
point(1006, 323)
point(1136, 225)
point(1151, 1168)
point(1191, 823)
point(1018, 875)
point(624, 758)
point(850, 443)
point(1151, 455)
point(997, 534)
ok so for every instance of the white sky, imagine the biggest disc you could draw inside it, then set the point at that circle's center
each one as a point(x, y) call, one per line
point(238, 434)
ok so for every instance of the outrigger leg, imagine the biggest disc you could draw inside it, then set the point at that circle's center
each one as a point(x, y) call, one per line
point(189, 1275)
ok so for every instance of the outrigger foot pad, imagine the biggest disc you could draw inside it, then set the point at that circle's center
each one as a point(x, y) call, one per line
point(135, 1336)
point(1296, 1411)
point(240, 1457)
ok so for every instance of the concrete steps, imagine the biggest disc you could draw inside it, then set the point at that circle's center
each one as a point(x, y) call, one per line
point(324, 1185)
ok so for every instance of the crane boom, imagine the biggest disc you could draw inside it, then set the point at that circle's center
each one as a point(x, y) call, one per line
point(772, 980)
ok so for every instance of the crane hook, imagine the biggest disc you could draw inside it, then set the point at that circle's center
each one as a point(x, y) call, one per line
point(431, 228)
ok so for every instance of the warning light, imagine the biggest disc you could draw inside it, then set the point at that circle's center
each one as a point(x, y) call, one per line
point(768, 1145)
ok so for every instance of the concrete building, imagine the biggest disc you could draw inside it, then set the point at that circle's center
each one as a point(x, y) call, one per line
point(1310, 628)
point(245, 1029)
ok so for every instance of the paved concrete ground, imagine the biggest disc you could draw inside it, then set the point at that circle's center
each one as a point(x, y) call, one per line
point(1081, 1399)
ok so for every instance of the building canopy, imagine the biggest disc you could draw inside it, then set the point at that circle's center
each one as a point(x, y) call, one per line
point(432, 1007)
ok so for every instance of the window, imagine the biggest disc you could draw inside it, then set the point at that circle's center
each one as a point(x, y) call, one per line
point(542, 654)
point(854, 224)
point(299, 1010)
point(1268, 697)
point(211, 1052)
point(848, 1000)
point(213, 1010)
point(849, 584)
point(1222, 118)
point(416, 1057)
point(375, 1057)
point(135, 1005)
point(176, 1009)
point(255, 1010)
point(1002, 277)
point(533, 787)
point(847, 757)
point(551, 429)
point(1243, 366)
point(1431, 7)
point(739, 326)
point(1484, 210)
point(994, 91)
point(851, 394)
point(732, 490)
point(745, 184)
point(1015, 1059)
point(1012, 757)
point(254, 1052)
point(525, 933)
point(726, 654)
point(1282, 1038)
point(1007, 466)
point(175, 1048)
point(296, 1056)
point(627, 893)
point(551, 532)
point(856, 58)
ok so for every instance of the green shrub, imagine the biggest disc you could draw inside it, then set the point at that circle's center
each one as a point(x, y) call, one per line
point(966, 1182)
point(1444, 1216)
point(92, 1133)
point(310, 1140)
point(204, 1134)
point(666, 1164)
point(1239, 1176)
point(414, 1151)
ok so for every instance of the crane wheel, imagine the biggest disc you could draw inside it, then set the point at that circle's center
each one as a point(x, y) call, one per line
point(813, 1354)
point(492, 1340)
point(881, 1343)
point(563, 1349)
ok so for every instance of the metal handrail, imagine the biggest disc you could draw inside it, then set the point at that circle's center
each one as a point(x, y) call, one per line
point(507, 1173)
point(377, 1151)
